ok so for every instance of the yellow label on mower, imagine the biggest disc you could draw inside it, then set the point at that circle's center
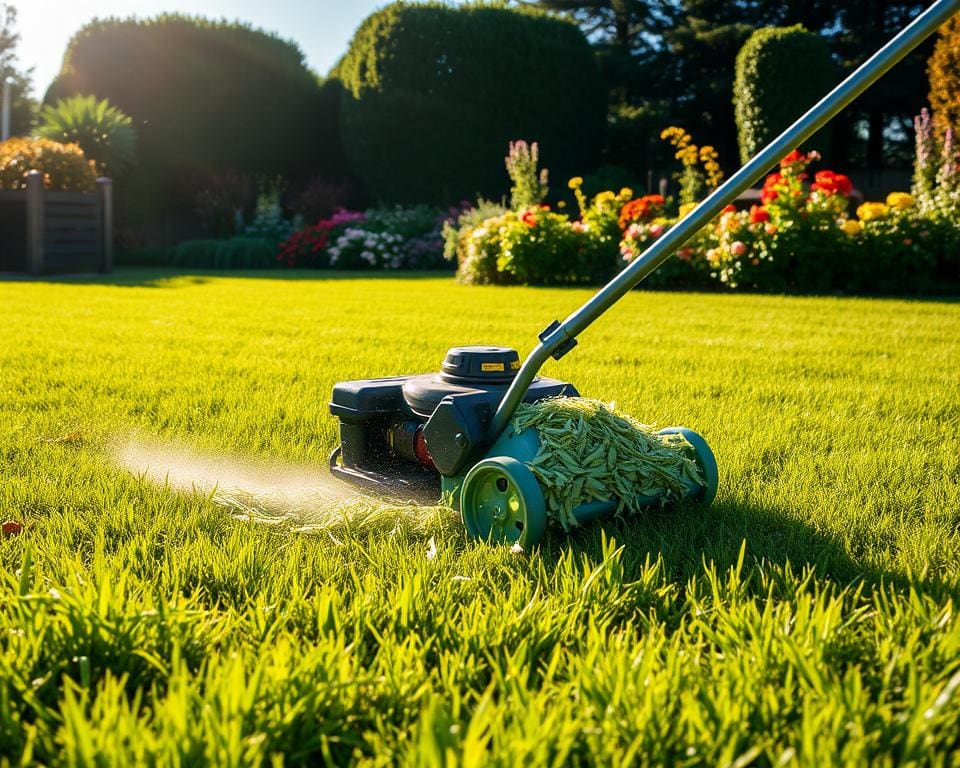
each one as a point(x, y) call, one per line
point(515, 365)
point(491, 366)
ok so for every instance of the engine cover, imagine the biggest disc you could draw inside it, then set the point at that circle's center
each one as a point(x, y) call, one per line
point(454, 406)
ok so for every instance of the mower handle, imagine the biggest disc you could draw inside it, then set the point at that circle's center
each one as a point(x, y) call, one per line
point(560, 338)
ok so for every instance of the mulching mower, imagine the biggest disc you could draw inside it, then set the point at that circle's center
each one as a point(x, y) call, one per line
point(452, 432)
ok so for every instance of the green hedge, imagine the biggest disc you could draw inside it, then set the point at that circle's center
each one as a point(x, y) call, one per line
point(205, 97)
point(780, 73)
point(432, 95)
point(235, 253)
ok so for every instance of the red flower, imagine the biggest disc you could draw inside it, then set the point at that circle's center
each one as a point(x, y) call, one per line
point(794, 157)
point(730, 209)
point(758, 215)
point(831, 183)
point(529, 218)
point(769, 193)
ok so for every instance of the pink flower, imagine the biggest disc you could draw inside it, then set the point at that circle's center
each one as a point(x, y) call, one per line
point(770, 229)
point(737, 248)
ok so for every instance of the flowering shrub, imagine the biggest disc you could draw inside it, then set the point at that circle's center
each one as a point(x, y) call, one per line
point(936, 173)
point(306, 247)
point(803, 237)
point(63, 166)
point(701, 171)
point(535, 245)
point(529, 184)
point(361, 249)
point(380, 238)
point(269, 223)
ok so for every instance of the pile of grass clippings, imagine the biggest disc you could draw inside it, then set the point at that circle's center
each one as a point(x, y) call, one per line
point(589, 453)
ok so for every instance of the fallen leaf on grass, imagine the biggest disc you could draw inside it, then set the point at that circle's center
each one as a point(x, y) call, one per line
point(11, 528)
point(71, 438)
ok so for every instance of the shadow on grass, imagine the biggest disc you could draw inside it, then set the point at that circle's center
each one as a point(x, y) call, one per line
point(172, 277)
point(691, 536)
point(179, 277)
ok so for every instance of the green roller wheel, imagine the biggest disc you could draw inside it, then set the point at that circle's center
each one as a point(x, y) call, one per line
point(502, 501)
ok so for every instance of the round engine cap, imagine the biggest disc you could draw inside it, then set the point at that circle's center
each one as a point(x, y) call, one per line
point(477, 364)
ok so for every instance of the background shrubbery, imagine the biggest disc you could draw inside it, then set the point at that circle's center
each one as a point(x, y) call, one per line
point(64, 166)
point(780, 73)
point(206, 98)
point(432, 94)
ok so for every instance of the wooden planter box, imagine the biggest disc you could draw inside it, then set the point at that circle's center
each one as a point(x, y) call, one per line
point(43, 232)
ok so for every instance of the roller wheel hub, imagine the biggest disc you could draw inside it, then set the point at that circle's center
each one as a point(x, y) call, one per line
point(502, 501)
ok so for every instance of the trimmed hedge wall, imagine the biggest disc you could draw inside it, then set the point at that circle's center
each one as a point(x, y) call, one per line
point(205, 97)
point(433, 94)
point(780, 73)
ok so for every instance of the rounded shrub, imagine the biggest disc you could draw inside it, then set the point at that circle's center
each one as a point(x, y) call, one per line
point(64, 166)
point(206, 98)
point(431, 95)
point(780, 73)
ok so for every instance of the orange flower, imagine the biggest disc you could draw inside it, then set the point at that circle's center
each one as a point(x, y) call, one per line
point(641, 209)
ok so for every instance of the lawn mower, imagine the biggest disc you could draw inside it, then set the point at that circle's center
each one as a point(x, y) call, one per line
point(451, 432)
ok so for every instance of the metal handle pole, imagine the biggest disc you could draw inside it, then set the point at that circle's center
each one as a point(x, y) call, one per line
point(559, 337)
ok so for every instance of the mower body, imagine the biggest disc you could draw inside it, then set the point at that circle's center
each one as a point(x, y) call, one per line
point(417, 438)
point(414, 437)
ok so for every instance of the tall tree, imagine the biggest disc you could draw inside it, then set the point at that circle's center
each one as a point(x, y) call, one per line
point(22, 107)
point(863, 27)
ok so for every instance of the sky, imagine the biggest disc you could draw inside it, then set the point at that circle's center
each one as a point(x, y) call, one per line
point(322, 28)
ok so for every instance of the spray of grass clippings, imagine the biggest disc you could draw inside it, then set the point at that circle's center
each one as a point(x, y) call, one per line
point(305, 497)
point(589, 453)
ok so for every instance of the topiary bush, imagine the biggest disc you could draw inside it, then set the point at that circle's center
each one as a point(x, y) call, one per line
point(432, 93)
point(780, 73)
point(944, 73)
point(64, 166)
point(206, 98)
point(102, 131)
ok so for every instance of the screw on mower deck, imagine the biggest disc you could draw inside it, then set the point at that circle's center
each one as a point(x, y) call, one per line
point(415, 436)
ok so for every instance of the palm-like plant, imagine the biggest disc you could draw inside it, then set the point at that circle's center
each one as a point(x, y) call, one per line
point(104, 133)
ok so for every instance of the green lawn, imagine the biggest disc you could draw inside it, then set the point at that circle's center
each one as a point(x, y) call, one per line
point(809, 617)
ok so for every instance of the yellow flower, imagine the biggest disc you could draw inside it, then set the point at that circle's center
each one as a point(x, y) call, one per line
point(900, 200)
point(626, 192)
point(686, 208)
point(851, 227)
point(576, 182)
point(561, 204)
point(604, 197)
point(871, 211)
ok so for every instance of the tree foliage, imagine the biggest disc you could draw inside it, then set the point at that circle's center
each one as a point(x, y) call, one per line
point(944, 73)
point(205, 97)
point(21, 105)
point(433, 94)
point(781, 72)
point(680, 68)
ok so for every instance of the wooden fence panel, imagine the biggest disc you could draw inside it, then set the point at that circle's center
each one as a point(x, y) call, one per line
point(44, 231)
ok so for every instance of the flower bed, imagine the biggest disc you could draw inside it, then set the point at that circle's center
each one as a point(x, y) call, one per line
point(803, 237)
point(379, 238)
